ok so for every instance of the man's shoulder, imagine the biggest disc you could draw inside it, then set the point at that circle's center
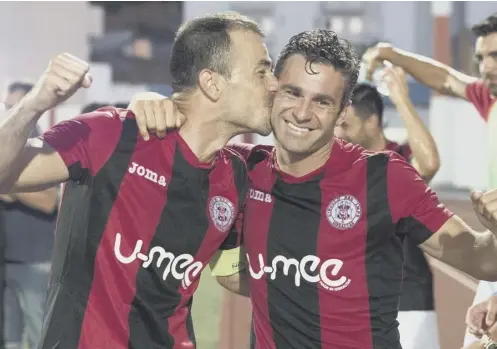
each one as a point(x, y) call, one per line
point(480, 96)
point(106, 114)
point(403, 149)
point(104, 121)
point(355, 155)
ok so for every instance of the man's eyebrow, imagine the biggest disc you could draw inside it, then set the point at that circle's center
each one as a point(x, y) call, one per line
point(291, 87)
point(324, 97)
point(265, 62)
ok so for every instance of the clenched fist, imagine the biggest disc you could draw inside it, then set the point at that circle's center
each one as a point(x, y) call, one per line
point(485, 206)
point(64, 76)
point(374, 57)
point(395, 79)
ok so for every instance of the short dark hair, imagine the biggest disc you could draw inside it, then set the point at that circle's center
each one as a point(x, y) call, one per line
point(367, 101)
point(121, 105)
point(204, 43)
point(324, 46)
point(91, 107)
point(19, 85)
point(485, 27)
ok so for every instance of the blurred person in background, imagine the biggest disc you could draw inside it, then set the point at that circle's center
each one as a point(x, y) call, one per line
point(29, 227)
point(121, 105)
point(91, 107)
point(481, 92)
point(364, 125)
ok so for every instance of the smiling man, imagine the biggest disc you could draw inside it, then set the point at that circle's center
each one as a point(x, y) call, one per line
point(324, 222)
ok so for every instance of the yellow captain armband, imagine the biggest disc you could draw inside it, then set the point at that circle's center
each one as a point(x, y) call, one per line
point(227, 262)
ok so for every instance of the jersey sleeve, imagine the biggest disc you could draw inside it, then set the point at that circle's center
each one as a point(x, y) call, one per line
point(86, 142)
point(415, 208)
point(479, 94)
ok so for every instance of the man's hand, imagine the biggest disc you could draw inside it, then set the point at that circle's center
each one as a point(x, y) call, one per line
point(395, 78)
point(64, 76)
point(374, 57)
point(485, 206)
point(480, 318)
point(155, 114)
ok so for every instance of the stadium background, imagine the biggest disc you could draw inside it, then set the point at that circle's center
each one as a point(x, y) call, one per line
point(128, 44)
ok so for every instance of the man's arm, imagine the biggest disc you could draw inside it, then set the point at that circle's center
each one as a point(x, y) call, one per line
point(228, 264)
point(420, 215)
point(427, 71)
point(456, 244)
point(32, 165)
point(426, 159)
point(237, 283)
point(229, 268)
point(44, 201)
point(27, 165)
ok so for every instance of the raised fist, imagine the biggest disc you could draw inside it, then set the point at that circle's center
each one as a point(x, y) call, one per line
point(64, 76)
point(374, 57)
point(395, 79)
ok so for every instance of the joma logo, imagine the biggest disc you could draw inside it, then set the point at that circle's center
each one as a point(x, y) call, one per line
point(260, 196)
point(147, 174)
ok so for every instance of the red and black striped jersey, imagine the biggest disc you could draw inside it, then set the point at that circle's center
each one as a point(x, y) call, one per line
point(417, 278)
point(139, 220)
point(324, 251)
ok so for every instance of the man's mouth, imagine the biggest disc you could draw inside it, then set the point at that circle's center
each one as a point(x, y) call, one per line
point(298, 129)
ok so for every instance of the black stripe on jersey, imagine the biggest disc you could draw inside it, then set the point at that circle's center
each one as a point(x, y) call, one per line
point(241, 183)
point(82, 220)
point(189, 322)
point(417, 282)
point(181, 230)
point(253, 340)
point(241, 179)
point(383, 256)
point(293, 233)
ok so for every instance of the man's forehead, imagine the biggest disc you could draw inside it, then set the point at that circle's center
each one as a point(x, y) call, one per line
point(486, 44)
point(246, 41)
point(311, 76)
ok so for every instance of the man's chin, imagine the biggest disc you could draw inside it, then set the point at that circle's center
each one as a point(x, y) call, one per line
point(264, 133)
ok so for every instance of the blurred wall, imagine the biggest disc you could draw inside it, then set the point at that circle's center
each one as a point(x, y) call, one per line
point(32, 32)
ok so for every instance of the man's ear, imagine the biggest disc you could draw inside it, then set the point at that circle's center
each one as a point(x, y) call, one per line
point(212, 84)
point(343, 114)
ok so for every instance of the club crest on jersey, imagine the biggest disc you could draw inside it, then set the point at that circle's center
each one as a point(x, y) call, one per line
point(222, 213)
point(344, 212)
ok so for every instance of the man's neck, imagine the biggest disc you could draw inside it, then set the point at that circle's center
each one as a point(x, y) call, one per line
point(379, 144)
point(299, 165)
point(205, 132)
